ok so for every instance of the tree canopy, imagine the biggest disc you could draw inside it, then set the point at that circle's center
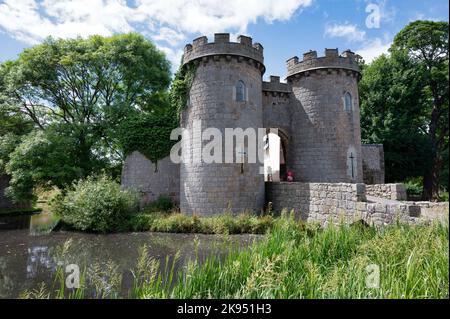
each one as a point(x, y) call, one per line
point(404, 104)
point(78, 91)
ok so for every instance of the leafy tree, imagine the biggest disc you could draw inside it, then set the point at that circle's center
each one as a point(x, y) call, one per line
point(43, 158)
point(13, 125)
point(391, 114)
point(404, 104)
point(426, 43)
point(77, 90)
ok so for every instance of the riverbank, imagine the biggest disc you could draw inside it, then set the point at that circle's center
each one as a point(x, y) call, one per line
point(295, 260)
point(19, 211)
point(176, 222)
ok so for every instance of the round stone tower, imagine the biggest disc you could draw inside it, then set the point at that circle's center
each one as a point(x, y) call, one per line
point(226, 93)
point(326, 134)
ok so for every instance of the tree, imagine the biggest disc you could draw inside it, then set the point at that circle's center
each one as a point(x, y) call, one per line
point(426, 43)
point(392, 113)
point(77, 89)
point(13, 125)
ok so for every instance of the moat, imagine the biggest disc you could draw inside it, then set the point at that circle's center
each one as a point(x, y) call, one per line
point(29, 251)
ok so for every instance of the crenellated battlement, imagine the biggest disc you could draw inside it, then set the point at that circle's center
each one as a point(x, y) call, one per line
point(244, 49)
point(332, 60)
point(275, 86)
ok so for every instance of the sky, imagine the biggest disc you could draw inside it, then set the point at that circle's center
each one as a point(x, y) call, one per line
point(285, 28)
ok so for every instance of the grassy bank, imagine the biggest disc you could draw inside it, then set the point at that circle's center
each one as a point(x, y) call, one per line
point(304, 261)
point(175, 222)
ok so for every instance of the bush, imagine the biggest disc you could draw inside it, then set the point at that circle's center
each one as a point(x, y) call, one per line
point(96, 204)
point(414, 188)
point(162, 204)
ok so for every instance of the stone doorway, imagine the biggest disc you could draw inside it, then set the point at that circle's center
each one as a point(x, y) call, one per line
point(275, 151)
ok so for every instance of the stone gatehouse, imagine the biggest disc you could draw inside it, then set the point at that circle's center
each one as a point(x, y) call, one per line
point(317, 119)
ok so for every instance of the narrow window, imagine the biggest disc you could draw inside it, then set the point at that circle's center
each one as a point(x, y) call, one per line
point(240, 92)
point(348, 104)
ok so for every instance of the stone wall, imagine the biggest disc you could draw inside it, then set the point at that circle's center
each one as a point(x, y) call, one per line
point(335, 202)
point(140, 174)
point(388, 191)
point(324, 134)
point(211, 188)
point(318, 202)
point(373, 163)
point(434, 211)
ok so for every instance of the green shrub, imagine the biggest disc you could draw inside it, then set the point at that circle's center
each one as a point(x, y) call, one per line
point(443, 196)
point(414, 188)
point(162, 204)
point(96, 204)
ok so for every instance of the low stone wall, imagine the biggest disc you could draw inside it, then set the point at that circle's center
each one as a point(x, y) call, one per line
point(433, 211)
point(151, 181)
point(336, 202)
point(388, 191)
point(373, 163)
point(317, 202)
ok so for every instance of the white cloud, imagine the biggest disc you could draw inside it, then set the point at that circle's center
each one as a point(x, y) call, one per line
point(169, 21)
point(170, 36)
point(348, 31)
point(374, 48)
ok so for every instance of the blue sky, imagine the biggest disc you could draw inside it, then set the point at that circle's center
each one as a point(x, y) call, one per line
point(284, 27)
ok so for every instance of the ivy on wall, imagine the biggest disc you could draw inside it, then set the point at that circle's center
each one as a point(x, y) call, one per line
point(149, 133)
point(181, 86)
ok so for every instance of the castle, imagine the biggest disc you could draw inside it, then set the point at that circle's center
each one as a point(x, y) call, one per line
point(316, 114)
point(312, 125)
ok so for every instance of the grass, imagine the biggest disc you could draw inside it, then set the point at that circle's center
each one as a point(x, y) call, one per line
point(295, 260)
point(175, 222)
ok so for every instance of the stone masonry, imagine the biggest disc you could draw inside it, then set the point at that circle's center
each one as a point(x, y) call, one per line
point(373, 163)
point(316, 112)
point(150, 180)
point(326, 203)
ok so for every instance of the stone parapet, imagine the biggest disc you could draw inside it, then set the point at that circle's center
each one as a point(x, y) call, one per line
point(201, 49)
point(388, 191)
point(347, 61)
point(276, 86)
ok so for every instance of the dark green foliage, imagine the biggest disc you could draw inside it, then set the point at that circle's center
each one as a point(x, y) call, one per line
point(48, 158)
point(161, 204)
point(426, 44)
point(96, 204)
point(8, 142)
point(404, 105)
point(148, 133)
point(392, 113)
point(414, 188)
point(180, 87)
point(77, 90)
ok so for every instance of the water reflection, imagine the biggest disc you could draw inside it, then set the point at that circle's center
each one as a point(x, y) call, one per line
point(27, 259)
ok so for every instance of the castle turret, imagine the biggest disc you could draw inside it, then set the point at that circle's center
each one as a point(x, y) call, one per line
point(325, 144)
point(226, 93)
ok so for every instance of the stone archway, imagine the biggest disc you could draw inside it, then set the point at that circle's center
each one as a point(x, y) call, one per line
point(275, 155)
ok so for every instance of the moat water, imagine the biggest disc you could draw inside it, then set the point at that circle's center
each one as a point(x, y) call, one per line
point(29, 251)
